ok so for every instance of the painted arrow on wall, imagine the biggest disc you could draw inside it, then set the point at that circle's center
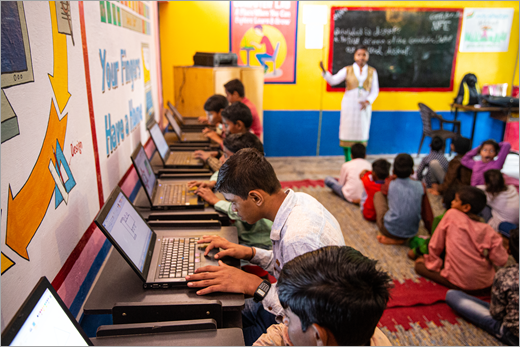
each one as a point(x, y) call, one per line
point(25, 211)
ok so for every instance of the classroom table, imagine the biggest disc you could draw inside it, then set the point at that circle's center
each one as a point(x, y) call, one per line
point(247, 49)
point(500, 113)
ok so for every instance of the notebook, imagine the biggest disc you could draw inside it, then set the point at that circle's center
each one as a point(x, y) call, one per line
point(44, 320)
point(179, 159)
point(163, 193)
point(183, 136)
point(161, 258)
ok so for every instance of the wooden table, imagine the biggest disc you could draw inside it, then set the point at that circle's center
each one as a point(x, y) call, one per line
point(500, 113)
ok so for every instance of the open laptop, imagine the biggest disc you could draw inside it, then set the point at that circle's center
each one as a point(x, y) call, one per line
point(44, 320)
point(163, 193)
point(180, 159)
point(160, 258)
point(184, 136)
point(186, 122)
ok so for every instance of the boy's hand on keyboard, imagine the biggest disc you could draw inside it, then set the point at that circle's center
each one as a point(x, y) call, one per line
point(203, 120)
point(223, 278)
point(201, 155)
point(192, 184)
point(229, 248)
point(207, 195)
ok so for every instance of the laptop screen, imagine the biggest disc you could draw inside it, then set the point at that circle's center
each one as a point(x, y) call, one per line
point(173, 123)
point(158, 139)
point(177, 113)
point(142, 164)
point(48, 324)
point(129, 230)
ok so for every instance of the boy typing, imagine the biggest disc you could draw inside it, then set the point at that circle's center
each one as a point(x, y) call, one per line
point(349, 186)
point(332, 296)
point(398, 204)
point(372, 182)
point(235, 93)
point(300, 224)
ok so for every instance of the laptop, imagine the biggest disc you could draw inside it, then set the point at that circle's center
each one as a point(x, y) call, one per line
point(184, 136)
point(186, 122)
point(160, 258)
point(180, 159)
point(44, 320)
point(163, 193)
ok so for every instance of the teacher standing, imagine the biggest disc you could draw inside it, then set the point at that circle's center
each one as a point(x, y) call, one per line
point(362, 88)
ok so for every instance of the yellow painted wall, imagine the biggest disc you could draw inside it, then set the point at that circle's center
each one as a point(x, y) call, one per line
point(190, 26)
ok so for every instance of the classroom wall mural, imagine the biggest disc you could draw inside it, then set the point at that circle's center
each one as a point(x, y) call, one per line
point(68, 130)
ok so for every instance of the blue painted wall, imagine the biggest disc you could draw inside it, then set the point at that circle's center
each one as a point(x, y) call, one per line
point(295, 133)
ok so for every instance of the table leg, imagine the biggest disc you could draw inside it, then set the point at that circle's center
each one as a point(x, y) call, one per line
point(473, 128)
point(248, 58)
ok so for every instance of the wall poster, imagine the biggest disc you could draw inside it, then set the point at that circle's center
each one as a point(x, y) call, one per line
point(263, 33)
point(486, 29)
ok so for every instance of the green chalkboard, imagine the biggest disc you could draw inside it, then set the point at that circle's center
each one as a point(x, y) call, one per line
point(411, 49)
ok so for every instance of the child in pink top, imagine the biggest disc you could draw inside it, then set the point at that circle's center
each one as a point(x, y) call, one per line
point(488, 150)
point(471, 247)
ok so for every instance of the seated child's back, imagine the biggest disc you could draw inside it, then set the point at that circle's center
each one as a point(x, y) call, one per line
point(349, 175)
point(404, 199)
point(372, 182)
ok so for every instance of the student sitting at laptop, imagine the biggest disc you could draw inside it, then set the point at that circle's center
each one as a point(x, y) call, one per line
point(235, 92)
point(213, 108)
point(254, 235)
point(236, 119)
point(300, 225)
point(333, 296)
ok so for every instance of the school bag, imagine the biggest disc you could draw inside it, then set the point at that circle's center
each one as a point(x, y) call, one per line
point(468, 91)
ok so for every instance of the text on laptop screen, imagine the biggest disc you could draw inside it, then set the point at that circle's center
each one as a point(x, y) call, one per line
point(48, 325)
point(158, 139)
point(173, 123)
point(145, 171)
point(129, 230)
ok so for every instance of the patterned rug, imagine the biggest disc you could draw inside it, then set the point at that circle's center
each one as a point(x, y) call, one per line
point(417, 313)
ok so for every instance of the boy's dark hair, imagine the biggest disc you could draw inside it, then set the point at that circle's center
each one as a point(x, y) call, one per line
point(449, 196)
point(259, 26)
point(235, 86)
point(358, 47)
point(245, 171)
point(490, 142)
point(381, 168)
point(215, 103)
point(495, 183)
point(403, 165)
point(236, 142)
point(337, 288)
point(358, 150)
point(238, 111)
point(513, 243)
point(473, 196)
point(436, 144)
point(462, 145)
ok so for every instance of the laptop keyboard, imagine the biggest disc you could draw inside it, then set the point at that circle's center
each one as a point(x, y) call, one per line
point(180, 158)
point(173, 194)
point(178, 257)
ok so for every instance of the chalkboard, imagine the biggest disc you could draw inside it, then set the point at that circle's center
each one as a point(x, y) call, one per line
point(411, 49)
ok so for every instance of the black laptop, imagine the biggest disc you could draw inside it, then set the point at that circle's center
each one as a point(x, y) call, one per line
point(44, 320)
point(160, 258)
point(196, 137)
point(188, 123)
point(163, 193)
point(178, 159)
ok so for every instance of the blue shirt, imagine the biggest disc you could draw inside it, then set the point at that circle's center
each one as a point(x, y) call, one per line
point(404, 207)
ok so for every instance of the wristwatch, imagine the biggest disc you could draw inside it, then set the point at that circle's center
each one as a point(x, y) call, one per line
point(262, 291)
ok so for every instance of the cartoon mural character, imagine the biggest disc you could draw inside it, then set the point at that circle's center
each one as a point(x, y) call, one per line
point(269, 51)
point(485, 28)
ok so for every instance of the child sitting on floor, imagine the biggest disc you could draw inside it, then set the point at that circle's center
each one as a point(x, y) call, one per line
point(457, 173)
point(349, 186)
point(487, 150)
point(236, 119)
point(213, 108)
point(472, 247)
point(502, 199)
point(419, 245)
point(500, 318)
point(372, 182)
point(398, 204)
point(435, 162)
point(333, 296)
point(254, 235)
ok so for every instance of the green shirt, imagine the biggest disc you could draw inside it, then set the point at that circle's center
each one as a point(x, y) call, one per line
point(254, 235)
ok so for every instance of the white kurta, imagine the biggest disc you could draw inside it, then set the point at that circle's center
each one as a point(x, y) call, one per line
point(354, 122)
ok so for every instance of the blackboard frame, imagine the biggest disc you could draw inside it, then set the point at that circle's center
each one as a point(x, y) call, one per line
point(415, 9)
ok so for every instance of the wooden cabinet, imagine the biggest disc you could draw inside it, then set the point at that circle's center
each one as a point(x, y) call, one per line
point(193, 85)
